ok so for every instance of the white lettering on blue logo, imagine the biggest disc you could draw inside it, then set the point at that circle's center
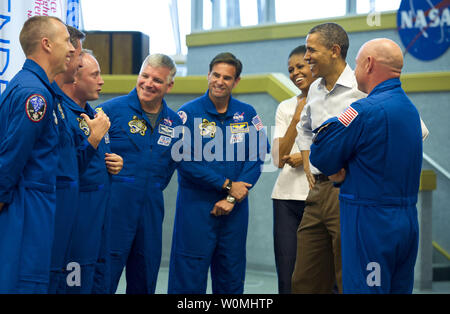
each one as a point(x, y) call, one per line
point(424, 27)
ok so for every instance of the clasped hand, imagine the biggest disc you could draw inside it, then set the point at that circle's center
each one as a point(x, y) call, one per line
point(239, 190)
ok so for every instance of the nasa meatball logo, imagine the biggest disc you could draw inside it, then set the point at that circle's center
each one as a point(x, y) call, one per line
point(36, 106)
point(424, 27)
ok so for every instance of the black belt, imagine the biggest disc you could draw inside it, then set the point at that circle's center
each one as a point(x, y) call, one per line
point(320, 178)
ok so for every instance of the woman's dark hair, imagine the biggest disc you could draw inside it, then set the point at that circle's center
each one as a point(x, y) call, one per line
point(300, 50)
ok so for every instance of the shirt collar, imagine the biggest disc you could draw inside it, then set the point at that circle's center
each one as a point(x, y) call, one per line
point(135, 104)
point(346, 79)
point(57, 89)
point(211, 108)
point(32, 66)
point(386, 85)
point(72, 105)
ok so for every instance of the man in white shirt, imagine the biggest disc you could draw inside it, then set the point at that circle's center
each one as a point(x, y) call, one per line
point(318, 262)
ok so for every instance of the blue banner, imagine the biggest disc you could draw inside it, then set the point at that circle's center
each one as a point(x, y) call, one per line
point(73, 13)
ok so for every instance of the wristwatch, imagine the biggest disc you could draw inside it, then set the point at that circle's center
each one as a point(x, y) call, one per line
point(228, 186)
point(231, 199)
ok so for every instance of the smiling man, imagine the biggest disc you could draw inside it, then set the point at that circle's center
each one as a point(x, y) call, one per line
point(318, 261)
point(28, 157)
point(212, 206)
point(143, 132)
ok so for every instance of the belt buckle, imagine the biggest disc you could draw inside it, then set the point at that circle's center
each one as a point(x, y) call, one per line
point(320, 177)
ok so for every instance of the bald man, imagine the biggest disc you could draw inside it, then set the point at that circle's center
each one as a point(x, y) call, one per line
point(374, 151)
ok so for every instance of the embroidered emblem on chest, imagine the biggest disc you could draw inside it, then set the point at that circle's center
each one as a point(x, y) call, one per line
point(137, 126)
point(83, 126)
point(164, 140)
point(36, 106)
point(106, 137)
point(55, 117)
point(238, 117)
point(167, 121)
point(237, 138)
point(241, 127)
point(166, 130)
point(207, 128)
point(61, 111)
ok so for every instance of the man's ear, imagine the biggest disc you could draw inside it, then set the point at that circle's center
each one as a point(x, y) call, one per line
point(370, 63)
point(236, 81)
point(170, 86)
point(336, 51)
point(46, 44)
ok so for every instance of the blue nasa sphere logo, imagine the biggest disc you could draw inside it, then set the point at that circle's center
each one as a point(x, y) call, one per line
point(424, 27)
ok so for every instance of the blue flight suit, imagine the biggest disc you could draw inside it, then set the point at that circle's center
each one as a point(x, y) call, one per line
point(74, 150)
point(28, 159)
point(378, 141)
point(89, 237)
point(137, 202)
point(232, 145)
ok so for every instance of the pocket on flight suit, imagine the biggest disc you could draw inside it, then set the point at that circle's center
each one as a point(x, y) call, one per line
point(190, 272)
point(38, 230)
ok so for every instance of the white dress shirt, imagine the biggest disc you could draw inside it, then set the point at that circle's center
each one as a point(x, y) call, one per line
point(291, 183)
point(322, 104)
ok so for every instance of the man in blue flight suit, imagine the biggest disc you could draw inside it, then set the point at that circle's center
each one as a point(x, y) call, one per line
point(143, 131)
point(75, 152)
point(28, 158)
point(374, 149)
point(89, 233)
point(224, 147)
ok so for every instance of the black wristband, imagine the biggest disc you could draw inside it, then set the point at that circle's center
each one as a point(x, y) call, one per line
point(228, 186)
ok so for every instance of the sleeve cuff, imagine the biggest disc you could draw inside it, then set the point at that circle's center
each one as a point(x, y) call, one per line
point(88, 147)
point(219, 183)
point(304, 146)
point(5, 197)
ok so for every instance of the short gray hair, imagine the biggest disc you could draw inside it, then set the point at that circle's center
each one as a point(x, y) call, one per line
point(87, 51)
point(160, 60)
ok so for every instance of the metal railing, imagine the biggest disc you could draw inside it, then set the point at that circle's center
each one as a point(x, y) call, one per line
point(424, 264)
point(437, 166)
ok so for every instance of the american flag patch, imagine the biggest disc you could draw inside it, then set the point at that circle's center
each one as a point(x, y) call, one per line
point(257, 123)
point(348, 116)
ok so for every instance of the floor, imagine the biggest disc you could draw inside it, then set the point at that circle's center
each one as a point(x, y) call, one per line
point(258, 282)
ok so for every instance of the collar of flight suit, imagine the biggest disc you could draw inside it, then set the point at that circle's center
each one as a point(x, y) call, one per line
point(211, 108)
point(37, 70)
point(386, 85)
point(72, 105)
point(135, 104)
